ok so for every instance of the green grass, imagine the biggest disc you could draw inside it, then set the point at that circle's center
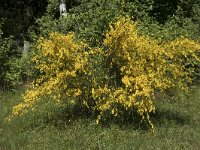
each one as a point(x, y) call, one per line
point(177, 126)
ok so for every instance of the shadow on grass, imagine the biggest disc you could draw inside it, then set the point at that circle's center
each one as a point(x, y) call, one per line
point(126, 119)
point(67, 116)
point(170, 118)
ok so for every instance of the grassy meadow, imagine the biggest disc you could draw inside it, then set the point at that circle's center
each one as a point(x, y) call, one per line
point(177, 126)
point(106, 61)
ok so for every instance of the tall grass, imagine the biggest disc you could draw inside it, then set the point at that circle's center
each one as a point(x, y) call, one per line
point(177, 126)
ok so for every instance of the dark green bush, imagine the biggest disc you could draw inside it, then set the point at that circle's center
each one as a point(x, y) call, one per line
point(10, 64)
point(14, 68)
point(88, 20)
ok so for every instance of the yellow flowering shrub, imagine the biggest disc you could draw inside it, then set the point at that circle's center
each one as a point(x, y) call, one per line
point(61, 61)
point(125, 73)
point(145, 66)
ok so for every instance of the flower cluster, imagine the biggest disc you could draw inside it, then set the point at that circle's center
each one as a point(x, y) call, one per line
point(61, 61)
point(145, 66)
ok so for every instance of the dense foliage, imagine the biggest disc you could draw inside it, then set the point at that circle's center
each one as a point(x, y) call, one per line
point(9, 62)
